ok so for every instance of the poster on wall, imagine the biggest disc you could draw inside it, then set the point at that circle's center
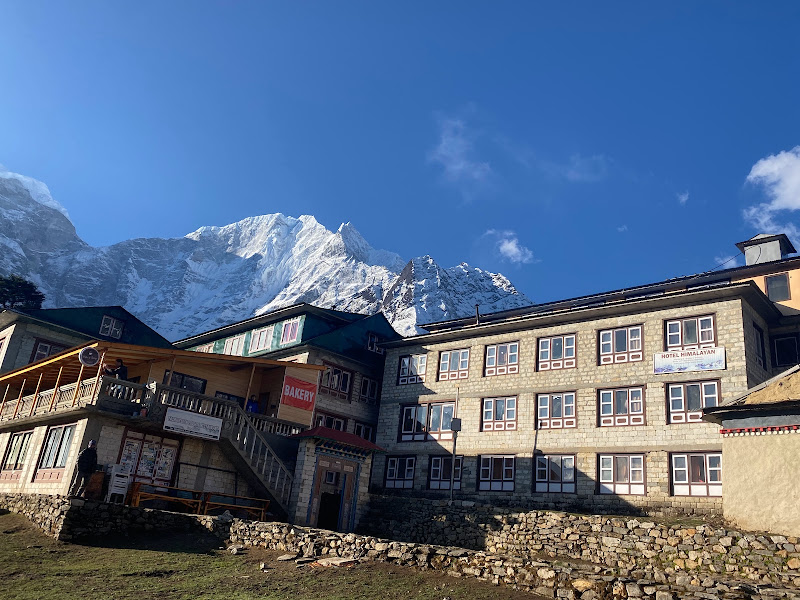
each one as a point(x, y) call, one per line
point(166, 458)
point(683, 361)
point(130, 453)
point(192, 424)
point(297, 400)
point(147, 462)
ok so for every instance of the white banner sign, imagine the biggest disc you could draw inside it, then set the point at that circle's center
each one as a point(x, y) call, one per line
point(682, 361)
point(192, 424)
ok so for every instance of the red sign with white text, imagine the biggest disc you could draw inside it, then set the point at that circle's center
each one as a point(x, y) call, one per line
point(297, 393)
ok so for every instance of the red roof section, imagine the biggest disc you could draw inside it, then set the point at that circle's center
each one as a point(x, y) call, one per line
point(334, 435)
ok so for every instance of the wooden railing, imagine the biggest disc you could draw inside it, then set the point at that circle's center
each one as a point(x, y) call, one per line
point(43, 402)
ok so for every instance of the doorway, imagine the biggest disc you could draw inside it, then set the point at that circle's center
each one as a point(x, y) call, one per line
point(329, 507)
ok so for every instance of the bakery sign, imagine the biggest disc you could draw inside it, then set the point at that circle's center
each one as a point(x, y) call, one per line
point(683, 361)
point(298, 393)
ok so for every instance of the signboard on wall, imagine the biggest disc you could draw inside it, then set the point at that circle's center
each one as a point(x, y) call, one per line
point(297, 400)
point(192, 424)
point(683, 361)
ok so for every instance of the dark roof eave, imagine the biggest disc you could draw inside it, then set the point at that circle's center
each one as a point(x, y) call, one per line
point(746, 289)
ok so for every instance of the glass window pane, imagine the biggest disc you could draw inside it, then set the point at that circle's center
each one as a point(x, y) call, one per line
point(436, 418)
point(676, 398)
point(690, 331)
point(635, 338)
point(621, 469)
point(447, 416)
point(555, 469)
point(569, 405)
point(543, 406)
point(621, 402)
point(568, 468)
point(499, 408)
point(555, 406)
point(620, 340)
point(697, 468)
point(487, 410)
point(778, 287)
point(558, 348)
point(693, 401)
point(490, 356)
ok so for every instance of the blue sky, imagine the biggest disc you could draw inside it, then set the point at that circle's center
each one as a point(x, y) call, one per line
point(575, 147)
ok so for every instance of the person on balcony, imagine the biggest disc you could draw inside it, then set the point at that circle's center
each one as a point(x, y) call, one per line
point(87, 464)
point(120, 372)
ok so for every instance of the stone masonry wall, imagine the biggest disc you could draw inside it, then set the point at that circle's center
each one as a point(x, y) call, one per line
point(74, 519)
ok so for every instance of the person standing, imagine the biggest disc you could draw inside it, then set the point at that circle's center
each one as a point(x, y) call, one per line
point(87, 464)
point(120, 372)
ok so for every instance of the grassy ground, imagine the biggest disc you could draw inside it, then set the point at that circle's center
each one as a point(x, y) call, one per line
point(192, 566)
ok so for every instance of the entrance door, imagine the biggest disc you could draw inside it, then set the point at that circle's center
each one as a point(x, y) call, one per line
point(329, 504)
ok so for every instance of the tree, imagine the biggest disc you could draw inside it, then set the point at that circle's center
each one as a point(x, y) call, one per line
point(16, 292)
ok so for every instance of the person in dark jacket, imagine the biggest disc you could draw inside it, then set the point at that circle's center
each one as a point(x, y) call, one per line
point(120, 372)
point(87, 464)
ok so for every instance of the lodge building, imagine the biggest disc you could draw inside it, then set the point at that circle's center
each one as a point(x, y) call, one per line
point(594, 403)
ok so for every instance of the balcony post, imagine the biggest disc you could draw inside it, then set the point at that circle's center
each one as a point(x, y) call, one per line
point(36, 394)
point(77, 385)
point(97, 377)
point(21, 391)
point(5, 395)
point(55, 389)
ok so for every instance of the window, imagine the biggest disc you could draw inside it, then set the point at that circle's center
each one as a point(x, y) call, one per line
point(502, 359)
point(363, 430)
point(372, 343)
point(289, 333)
point(56, 447)
point(412, 369)
point(761, 355)
point(687, 400)
point(185, 382)
point(557, 352)
point(206, 348)
point(622, 474)
point(697, 474)
point(112, 327)
point(17, 451)
point(369, 390)
point(234, 346)
point(496, 473)
point(555, 411)
point(621, 345)
point(332, 477)
point(331, 422)
point(240, 400)
point(439, 473)
point(785, 351)
point(261, 339)
point(420, 422)
point(499, 414)
point(454, 364)
point(624, 406)
point(555, 473)
point(43, 349)
point(778, 287)
point(400, 472)
point(336, 382)
point(692, 333)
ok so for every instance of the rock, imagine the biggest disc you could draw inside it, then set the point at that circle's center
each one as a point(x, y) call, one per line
point(287, 557)
point(582, 585)
point(662, 595)
point(589, 595)
point(633, 590)
point(237, 549)
point(793, 563)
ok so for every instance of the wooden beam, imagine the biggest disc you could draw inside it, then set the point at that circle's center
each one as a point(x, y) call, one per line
point(249, 386)
point(5, 395)
point(77, 385)
point(36, 394)
point(21, 390)
point(99, 370)
point(55, 390)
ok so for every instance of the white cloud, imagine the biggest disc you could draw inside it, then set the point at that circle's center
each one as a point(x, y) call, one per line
point(455, 153)
point(779, 176)
point(726, 261)
point(580, 168)
point(622, 228)
point(683, 198)
point(507, 245)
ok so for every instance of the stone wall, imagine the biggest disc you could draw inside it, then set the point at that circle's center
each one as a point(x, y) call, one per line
point(660, 549)
point(74, 519)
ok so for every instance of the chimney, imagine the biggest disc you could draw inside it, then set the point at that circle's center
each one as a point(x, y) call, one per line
point(764, 248)
point(477, 315)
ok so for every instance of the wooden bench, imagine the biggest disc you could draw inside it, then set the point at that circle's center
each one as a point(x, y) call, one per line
point(257, 507)
point(191, 499)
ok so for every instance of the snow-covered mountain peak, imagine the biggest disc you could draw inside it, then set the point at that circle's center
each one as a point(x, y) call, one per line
point(37, 190)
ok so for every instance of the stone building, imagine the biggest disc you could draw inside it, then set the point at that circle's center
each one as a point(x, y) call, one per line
point(593, 403)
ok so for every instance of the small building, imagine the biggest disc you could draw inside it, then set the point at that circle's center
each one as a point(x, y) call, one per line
point(28, 335)
point(175, 427)
point(760, 432)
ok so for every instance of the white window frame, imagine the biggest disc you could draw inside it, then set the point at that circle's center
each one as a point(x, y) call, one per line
point(439, 474)
point(776, 354)
point(788, 287)
point(705, 327)
point(677, 400)
point(261, 339)
point(502, 359)
point(364, 430)
point(56, 447)
point(508, 419)
point(330, 421)
point(634, 407)
point(555, 473)
point(16, 451)
point(373, 340)
point(336, 381)
point(544, 411)
point(234, 346)
point(290, 330)
point(205, 348)
point(45, 348)
point(682, 473)
point(632, 483)
point(112, 327)
point(633, 352)
point(446, 362)
point(416, 421)
point(400, 472)
point(369, 390)
point(568, 352)
point(491, 481)
point(412, 369)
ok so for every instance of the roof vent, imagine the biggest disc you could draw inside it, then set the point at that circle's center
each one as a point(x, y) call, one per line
point(764, 247)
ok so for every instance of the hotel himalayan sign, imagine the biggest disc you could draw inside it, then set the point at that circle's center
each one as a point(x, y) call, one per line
point(297, 400)
point(683, 361)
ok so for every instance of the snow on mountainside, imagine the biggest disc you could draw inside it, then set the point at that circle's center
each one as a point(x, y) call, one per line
point(218, 275)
